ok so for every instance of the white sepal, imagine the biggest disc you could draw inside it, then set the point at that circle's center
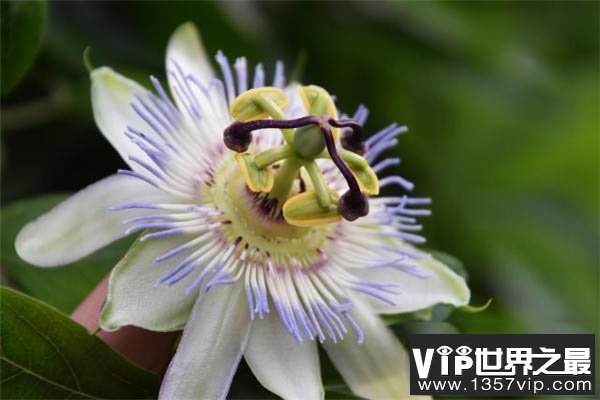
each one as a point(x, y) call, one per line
point(83, 223)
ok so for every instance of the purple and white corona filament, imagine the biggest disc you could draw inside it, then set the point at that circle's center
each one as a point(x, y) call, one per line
point(260, 229)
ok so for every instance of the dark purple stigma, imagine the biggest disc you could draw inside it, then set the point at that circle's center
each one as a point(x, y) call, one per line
point(353, 205)
point(349, 143)
point(352, 137)
point(237, 137)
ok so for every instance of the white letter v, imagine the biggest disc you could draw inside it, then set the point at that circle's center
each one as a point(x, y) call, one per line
point(423, 366)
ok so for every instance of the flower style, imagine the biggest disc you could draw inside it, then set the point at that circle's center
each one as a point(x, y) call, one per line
point(260, 230)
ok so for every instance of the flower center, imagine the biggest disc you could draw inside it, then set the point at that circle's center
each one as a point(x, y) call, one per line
point(262, 233)
point(306, 139)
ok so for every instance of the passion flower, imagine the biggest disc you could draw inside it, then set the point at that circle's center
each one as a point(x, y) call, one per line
point(260, 230)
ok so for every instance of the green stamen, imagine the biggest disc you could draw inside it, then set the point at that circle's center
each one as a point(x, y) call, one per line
point(320, 187)
point(353, 160)
point(273, 155)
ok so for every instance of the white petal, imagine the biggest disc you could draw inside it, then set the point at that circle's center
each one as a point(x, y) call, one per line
point(112, 95)
point(186, 50)
point(83, 223)
point(415, 293)
point(134, 300)
point(211, 347)
point(379, 367)
point(286, 367)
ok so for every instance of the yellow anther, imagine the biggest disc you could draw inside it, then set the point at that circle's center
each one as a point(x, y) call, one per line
point(366, 177)
point(257, 179)
point(367, 180)
point(318, 102)
point(305, 210)
point(250, 105)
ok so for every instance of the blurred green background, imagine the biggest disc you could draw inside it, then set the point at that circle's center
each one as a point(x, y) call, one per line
point(501, 98)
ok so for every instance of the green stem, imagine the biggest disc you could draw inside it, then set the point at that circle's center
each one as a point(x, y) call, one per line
point(275, 112)
point(270, 156)
point(316, 177)
point(284, 179)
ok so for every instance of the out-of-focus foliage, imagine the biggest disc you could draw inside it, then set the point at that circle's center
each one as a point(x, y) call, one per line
point(22, 30)
point(501, 99)
point(45, 355)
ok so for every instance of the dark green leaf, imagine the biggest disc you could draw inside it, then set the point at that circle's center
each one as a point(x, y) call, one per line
point(45, 355)
point(62, 287)
point(23, 24)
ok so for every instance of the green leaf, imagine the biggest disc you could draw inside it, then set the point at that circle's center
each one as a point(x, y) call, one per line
point(23, 24)
point(62, 287)
point(45, 355)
